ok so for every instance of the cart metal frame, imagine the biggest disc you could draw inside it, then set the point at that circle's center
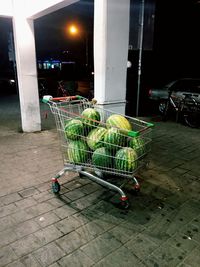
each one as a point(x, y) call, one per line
point(71, 107)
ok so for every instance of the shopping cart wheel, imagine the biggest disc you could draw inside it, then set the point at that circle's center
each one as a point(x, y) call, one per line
point(55, 187)
point(124, 204)
point(81, 175)
point(135, 189)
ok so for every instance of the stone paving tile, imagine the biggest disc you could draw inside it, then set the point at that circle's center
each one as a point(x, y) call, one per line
point(64, 211)
point(100, 246)
point(191, 231)
point(67, 225)
point(152, 261)
point(193, 258)
point(43, 196)
point(6, 222)
point(48, 234)
point(29, 260)
point(99, 209)
point(6, 210)
point(25, 245)
point(26, 261)
point(25, 203)
point(169, 254)
point(16, 264)
point(120, 257)
point(10, 198)
point(141, 246)
point(26, 228)
point(28, 192)
point(57, 202)
point(74, 194)
point(90, 230)
point(73, 185)
point(81, 218)
point(184, 265)
point(48, 254)
point(71, 242)
point(39, 209)
point(43, 187)
point(123, 233)
point(54, 265)
point(7, 255)
point(183, 242)
point(78, 258)
point(21, 216)
point(47, 219)
point(7, 236)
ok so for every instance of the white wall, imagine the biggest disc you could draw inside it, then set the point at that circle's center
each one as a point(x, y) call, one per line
point(6, 8)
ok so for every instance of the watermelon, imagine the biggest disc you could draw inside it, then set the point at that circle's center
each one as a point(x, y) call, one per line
point(74, 129)
point(77, 152)
point(114, 139)
point(138, 144)
point(95, 138)
point(126, 159)
point(118, 121)
point(91, 117)
point(102, 158)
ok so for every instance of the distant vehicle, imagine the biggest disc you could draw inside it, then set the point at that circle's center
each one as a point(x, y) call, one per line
point(178, 90)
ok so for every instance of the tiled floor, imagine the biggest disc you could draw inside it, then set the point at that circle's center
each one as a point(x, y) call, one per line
point(82, 227)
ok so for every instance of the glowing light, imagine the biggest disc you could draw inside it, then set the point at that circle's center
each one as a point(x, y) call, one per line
point(73, 29)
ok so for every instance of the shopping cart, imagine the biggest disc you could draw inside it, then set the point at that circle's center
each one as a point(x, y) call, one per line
point(97, 149)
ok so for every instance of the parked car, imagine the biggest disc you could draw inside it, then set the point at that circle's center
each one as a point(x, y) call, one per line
point(178, 89)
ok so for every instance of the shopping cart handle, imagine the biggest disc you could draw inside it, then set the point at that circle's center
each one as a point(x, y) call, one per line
point(48, 98)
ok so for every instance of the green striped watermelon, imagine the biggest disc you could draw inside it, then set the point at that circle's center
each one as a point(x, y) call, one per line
point(74, 129)
point(91, 117)
point(126, 159)
point(114, 139)
point(77, 152)
point(102, 157)
point(95, 138)
point(138, 144)
point(118, 121)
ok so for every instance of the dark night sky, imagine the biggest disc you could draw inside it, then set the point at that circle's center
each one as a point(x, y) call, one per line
point(50, 30)
point(175, 44)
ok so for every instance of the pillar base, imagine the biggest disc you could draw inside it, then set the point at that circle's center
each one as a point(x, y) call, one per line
point(114, 106)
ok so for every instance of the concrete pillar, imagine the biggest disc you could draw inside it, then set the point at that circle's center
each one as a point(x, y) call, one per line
point(24, 41)
point(111, 38)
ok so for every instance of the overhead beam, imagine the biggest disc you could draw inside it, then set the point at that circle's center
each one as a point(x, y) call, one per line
point(38, 8)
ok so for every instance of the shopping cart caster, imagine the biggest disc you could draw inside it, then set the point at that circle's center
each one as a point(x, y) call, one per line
point(55, 186)
point(135, 190)
point(124, 204)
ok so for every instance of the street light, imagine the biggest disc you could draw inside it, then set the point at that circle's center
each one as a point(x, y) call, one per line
point(73, 30)
point(76, 31)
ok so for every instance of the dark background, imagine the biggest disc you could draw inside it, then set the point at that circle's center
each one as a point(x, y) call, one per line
point(170, 43)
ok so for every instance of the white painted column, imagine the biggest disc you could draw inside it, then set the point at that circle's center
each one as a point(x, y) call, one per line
point(26, 68)
point(111, 38)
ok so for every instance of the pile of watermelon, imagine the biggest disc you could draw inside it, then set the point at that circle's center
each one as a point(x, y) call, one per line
point(104, 145)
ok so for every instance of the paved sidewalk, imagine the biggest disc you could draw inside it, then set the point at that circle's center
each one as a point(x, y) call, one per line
point(82, 227)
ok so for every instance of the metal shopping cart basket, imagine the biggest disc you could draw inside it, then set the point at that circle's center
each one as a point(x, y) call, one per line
point(98, 143)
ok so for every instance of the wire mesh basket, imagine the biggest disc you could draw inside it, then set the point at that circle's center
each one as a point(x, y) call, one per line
point(90, 138)
point(96, 142)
